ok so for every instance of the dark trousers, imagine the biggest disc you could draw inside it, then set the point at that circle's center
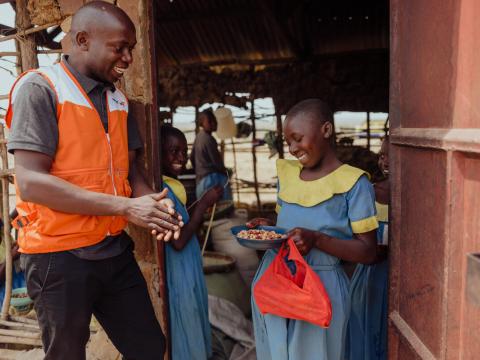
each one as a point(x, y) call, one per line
point(67, 290)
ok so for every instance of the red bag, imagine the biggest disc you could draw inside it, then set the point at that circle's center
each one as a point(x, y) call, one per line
point(298, 296)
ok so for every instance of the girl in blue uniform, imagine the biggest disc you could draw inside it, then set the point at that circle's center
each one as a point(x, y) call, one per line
point(367, 328)
point(329, 208)
point(187, 294)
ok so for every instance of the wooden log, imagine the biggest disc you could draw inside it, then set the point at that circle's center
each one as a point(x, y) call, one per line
point(9, 53)
point(19, 326)
point(236, 170)
point(29, 30)
point(368, 130)
point(19, 340)
point(50, 51)
point(197, 126)
point(27, 45)
point(24, 320)
point(281, 154)
point(6, 229)
point(254, 155)
point(6, 173)
point(20, 333)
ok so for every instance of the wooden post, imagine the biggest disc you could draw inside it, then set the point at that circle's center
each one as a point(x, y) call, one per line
point(6, 228)
point(237, 184)
point(368, 130)
point(254, 153)
point(222, 150)
point(27, 45)
point(281, 155)
point(197, 127)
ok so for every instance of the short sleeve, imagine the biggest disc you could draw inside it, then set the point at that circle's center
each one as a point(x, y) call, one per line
point(34, 123)
point(134, 139)
point(279, 204)
point(361, 206)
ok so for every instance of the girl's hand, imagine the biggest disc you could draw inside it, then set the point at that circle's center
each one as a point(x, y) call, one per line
point(304, 239)
point(211, 197)
point(259, 222)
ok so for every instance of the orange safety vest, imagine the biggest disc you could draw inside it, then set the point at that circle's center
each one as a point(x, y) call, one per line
point(86, 156)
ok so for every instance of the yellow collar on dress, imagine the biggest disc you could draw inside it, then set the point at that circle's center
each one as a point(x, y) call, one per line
point(177, 188)
point(310, 193)
point(382, 212)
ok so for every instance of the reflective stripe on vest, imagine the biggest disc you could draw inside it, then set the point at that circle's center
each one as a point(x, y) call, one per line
point(86, 156)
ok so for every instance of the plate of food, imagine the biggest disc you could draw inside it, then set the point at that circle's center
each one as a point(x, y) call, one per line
point(261, 237)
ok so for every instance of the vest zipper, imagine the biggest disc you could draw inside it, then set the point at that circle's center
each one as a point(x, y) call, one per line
point(111, 170)
point(111, 164)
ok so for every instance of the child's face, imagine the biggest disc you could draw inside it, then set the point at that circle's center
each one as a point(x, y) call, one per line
point(383, 158)
point(174, 155)
point(308, 139)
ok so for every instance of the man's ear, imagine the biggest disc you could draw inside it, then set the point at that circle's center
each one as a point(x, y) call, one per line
point(327, 130)
point(82, 40)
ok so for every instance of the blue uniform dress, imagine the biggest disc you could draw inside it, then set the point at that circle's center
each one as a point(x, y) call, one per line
point(339, 204)
point(367, 328)
point(18, 281)
point(190, 330)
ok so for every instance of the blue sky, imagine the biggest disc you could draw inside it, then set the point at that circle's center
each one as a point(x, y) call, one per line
point(263, 107)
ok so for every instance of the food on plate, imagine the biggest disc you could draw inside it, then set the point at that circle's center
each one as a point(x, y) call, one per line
point(255, 234)
point(19, 296)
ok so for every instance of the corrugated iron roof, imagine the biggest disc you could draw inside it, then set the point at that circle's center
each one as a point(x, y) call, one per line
point(192, 32)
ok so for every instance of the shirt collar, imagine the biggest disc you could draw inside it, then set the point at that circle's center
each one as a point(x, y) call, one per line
point(86, 82)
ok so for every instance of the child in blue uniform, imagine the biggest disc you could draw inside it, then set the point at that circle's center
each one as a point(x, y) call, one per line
point(329, 208)
point(187, 294)
point(367, 328)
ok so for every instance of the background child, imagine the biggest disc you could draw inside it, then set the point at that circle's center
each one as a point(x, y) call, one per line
point(188, 303)
point(329, 208)
point(367, 328)
point(206, 159)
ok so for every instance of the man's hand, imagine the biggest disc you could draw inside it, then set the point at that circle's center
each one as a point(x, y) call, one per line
point(148, 211)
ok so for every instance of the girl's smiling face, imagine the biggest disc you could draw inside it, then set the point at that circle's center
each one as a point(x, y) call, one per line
point(175, 155)
point(308, 139)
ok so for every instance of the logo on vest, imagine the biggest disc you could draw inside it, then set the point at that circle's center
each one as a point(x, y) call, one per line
point(119, 102)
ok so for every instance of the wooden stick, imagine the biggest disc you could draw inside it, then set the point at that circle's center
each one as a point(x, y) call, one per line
point(9, 53)
point(26, 42)
point(6, 230)
point(24, 320)
point(4, 97)
point(209, 227)
point(50, 51)
point(236, 170)
point(19, 340)
point(29, 31)
point(254, 155)
point(20, 333)
point(20, 326)
point(6, 173)
point(281, 154)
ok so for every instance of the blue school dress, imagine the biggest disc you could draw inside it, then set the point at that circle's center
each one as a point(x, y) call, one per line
point(18, 281)
point(339, 204)
point(367, 327)
point(190, 330)
point(211, 180)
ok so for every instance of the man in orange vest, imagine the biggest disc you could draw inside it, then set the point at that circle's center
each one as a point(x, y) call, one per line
point(74, 145)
